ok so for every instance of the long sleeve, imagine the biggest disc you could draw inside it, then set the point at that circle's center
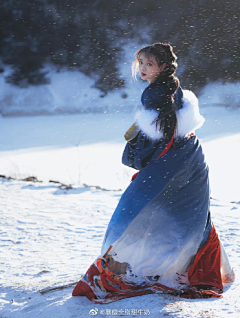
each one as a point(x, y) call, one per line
point(129, 150)
point(128, 155)
point(140, 151)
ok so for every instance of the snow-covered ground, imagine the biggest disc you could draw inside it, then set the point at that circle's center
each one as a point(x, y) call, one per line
point(49, 236)
point(86, 149)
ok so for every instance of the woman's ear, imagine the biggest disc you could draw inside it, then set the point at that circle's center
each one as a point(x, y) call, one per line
point(163, 66)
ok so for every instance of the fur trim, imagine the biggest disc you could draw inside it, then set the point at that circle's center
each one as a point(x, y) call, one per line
point(144, 122)
point(188, 118)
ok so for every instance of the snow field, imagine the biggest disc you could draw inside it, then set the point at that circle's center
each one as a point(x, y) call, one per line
point(87, 149)
point(50, 236)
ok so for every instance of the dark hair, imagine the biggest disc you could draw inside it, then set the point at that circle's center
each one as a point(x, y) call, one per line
point(163, 53)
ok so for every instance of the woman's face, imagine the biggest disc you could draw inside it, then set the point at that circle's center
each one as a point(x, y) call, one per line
point(148, 68)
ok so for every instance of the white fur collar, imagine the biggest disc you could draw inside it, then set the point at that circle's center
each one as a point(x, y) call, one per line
point(188, 118)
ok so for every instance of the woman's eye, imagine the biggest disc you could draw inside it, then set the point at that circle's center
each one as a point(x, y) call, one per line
point(140, 62)
point(149, 64)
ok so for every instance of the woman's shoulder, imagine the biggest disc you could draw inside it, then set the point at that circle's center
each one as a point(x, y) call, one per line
point(153, 93)
point(156, 92)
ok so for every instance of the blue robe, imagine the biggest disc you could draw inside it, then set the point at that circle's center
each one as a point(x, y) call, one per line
point(161, 228)
point(164, 213)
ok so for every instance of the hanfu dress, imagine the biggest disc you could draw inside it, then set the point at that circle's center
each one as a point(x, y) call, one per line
point(160, 238)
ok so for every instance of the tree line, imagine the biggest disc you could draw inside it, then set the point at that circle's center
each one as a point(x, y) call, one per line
point(88, 36)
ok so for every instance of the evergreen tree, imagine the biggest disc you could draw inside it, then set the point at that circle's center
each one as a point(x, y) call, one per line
point(88, 36)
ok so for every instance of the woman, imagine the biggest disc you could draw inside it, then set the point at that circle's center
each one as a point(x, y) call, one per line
point(160, 237)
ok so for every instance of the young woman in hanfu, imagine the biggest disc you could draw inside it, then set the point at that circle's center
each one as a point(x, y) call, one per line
point(160, 237)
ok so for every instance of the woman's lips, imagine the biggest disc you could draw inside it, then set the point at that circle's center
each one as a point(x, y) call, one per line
point(143, 74)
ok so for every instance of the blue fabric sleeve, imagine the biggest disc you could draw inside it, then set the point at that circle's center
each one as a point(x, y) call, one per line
point(128, 155)
point(140, 152)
